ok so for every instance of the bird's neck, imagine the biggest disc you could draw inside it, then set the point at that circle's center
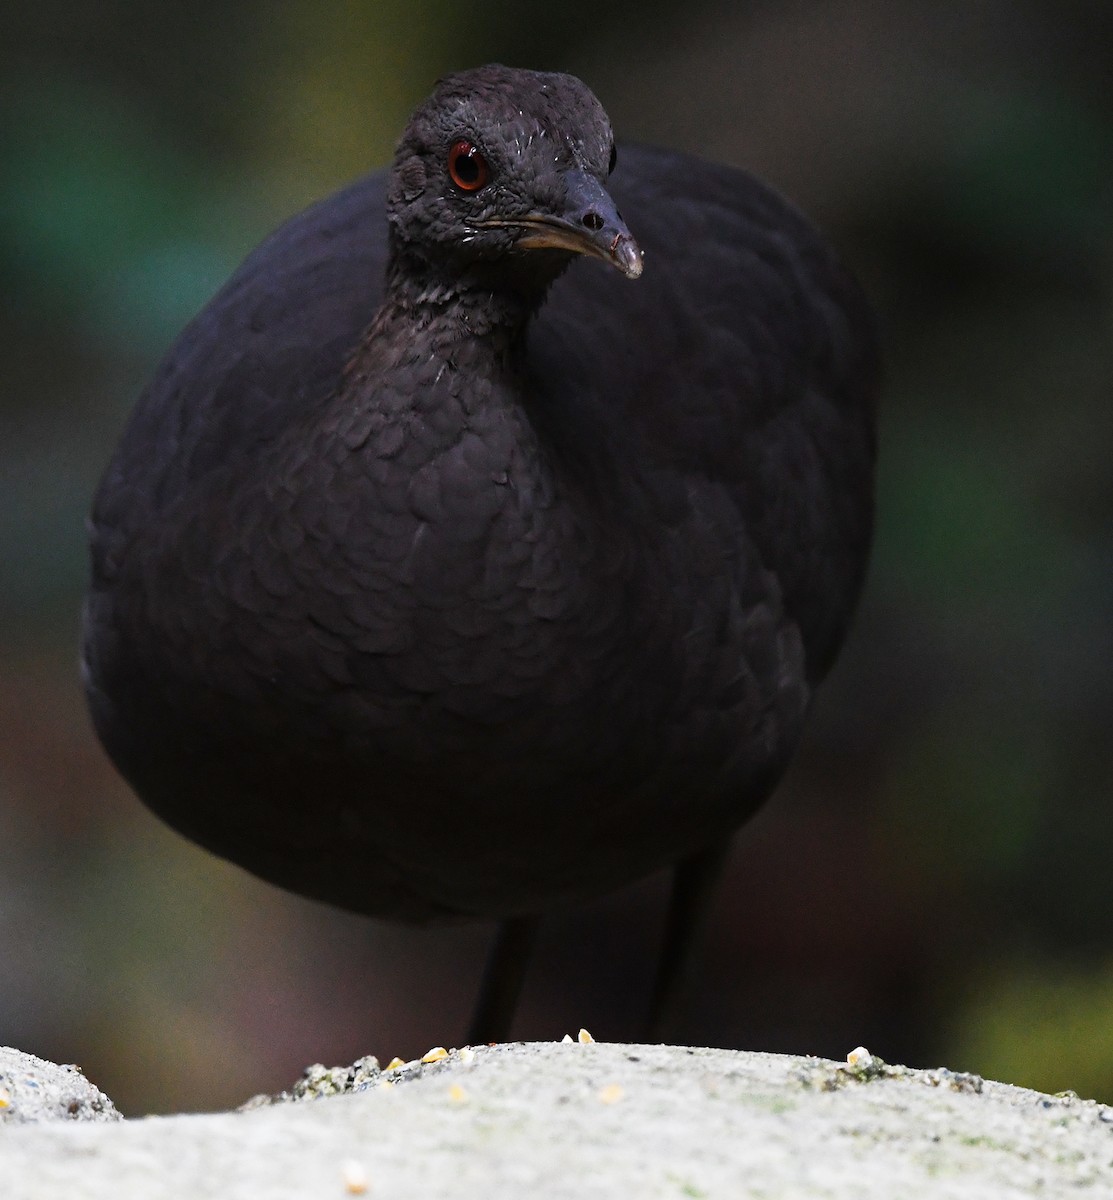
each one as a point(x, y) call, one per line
point(463, 301)
point(449, 346)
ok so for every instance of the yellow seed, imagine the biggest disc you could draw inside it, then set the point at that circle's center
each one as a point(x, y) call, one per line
point(5, 1098)
point(395, 1063)
point(858, 1057)
point(434, 1055)
point(457, 1094)
point(611, 1094)
point(356, 1182)
point(586, 1038)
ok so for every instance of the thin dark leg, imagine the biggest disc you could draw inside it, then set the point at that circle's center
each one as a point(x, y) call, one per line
point(694, 884)
point(503, 977)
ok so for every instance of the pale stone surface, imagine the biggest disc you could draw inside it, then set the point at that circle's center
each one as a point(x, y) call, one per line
point(32, 1089)
point(552, 1120)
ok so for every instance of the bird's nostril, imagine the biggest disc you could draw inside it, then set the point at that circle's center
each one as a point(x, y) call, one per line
point(592, 220)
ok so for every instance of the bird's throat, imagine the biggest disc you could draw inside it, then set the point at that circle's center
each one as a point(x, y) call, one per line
point(478, 298)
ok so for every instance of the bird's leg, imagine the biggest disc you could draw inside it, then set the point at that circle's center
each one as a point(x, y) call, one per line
point(694, 884)
point(502, 980)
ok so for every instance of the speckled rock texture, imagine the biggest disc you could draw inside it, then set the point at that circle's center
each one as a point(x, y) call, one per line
point(578, 1120)
point(32, 1089)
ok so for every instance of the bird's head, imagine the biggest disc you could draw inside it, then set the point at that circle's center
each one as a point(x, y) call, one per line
point(501, 176)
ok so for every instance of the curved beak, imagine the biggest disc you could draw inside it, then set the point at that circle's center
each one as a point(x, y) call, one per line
point(588, 223)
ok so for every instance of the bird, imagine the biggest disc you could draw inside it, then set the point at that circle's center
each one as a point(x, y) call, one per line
point(439, 574)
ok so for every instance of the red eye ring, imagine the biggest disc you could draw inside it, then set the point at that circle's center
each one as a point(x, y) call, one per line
point(467, 168)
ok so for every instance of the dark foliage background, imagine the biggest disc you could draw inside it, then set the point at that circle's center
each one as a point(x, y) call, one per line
point(933, 879)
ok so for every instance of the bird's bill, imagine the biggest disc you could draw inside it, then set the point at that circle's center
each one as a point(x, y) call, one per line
point(589, 225)
point(551, 233)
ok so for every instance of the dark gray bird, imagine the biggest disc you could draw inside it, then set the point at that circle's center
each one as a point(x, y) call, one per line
point(430, 580)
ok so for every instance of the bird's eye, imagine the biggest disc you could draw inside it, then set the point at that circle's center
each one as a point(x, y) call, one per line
point(614, 158)
point(467, 168)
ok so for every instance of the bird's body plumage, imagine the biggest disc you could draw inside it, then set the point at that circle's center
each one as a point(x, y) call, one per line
point(427, 607)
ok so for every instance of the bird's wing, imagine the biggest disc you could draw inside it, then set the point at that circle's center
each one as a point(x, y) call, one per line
point(743, 361)
point(273, 341)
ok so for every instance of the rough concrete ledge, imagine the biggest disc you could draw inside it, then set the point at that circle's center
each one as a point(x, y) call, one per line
point(32, 1089)
point(550, 1120)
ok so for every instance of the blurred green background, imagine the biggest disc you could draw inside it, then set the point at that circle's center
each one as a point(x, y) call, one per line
point(933, 880)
